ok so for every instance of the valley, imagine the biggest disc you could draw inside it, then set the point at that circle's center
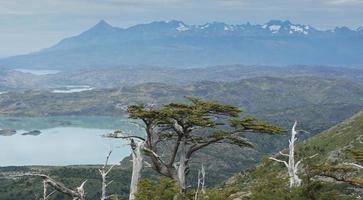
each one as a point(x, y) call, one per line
point(131, 75)
point(318, 103)
point(142, 108)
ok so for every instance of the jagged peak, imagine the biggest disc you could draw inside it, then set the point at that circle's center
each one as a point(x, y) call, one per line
point(276, 26)
point(279, 22)
point(102, 23)
point(343, 29)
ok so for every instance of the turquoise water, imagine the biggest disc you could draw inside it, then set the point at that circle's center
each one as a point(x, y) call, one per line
point(63, 140)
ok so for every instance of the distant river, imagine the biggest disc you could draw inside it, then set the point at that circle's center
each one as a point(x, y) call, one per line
point(63, 140)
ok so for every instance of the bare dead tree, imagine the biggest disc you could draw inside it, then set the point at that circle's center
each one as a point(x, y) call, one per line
point(137, 166)
point(137, 147)
point(76, 194)
point(104, 171)
point(45, 192)
point(291, 165)
point(339, 174)
point(353, 165)
point(201, 182)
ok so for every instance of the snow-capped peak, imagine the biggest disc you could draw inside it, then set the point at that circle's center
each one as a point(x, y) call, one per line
point(299, 29)
point(205, 26)
point(228, 28)
point(278, 26)
point(182, 27)
point(274, 28)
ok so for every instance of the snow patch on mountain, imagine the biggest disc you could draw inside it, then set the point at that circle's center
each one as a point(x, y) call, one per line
point(274, 28)
point(228, 28)
point(296, 28)
point(182, 28)
point(205, 26)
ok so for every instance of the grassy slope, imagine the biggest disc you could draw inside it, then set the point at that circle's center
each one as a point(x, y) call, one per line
point(331, 144)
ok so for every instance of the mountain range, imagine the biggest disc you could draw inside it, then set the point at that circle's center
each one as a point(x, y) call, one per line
point(174, 43)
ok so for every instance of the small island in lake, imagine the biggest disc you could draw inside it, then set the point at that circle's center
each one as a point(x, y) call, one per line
point(7, 132)
point(33, 133)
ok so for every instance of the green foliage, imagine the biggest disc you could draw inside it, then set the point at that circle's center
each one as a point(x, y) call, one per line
point(197, 125)
point(30, 188)
point(273, 186)
point(114, 197)
point(251, 123)
point(166, 189)
point(163, 189)
point(218, 194)
point(357, 155)
point(203, 114)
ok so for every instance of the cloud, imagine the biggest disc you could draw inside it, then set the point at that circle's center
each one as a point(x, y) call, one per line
point(345, 2)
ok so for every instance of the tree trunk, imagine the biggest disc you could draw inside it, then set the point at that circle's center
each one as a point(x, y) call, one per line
point(295, 181)
point(292, 167)
point(104, 186)
point(182, 167)
point(137, 166)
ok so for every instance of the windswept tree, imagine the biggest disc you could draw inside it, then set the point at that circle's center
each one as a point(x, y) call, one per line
point(176, 131)
point(291, 165)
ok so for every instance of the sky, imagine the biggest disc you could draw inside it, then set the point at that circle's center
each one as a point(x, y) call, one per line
point(31, 25)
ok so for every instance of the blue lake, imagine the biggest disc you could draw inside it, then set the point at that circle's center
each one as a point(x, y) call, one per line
point(63, 140)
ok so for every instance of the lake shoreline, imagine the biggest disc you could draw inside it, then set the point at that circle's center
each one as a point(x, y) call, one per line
point(79, 142)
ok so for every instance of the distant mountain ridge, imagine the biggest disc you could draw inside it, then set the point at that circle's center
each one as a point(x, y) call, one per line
point(174, 43)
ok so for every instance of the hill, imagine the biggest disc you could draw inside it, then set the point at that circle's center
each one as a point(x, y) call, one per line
point(117, 77)
point(317, 103)
point(330, 146)
point(174, 43)
point(304, 98)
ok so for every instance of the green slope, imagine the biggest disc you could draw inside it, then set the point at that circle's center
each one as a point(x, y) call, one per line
point(331, 148)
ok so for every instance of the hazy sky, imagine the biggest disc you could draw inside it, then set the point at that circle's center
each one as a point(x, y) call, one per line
point(30, 25)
